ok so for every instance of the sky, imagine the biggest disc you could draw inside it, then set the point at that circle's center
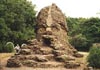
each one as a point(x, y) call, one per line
point(72, 8)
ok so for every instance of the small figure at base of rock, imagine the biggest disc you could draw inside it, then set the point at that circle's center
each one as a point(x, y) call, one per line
point(17, 49)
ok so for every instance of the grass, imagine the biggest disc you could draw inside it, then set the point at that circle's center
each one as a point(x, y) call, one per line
point(5, 55)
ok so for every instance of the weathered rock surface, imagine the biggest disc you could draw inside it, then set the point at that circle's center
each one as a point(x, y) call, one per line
point(41, 59)
point(64, 58)
point(78, 55)
point(52, 28)
point(25, 51)
point(72, 65)
point(89, 68)
point(13, 63)
point(51, 47)
point(29, 63)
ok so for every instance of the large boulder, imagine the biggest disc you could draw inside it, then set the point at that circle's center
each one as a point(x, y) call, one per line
point(72, 65)
point(29, 63)
point(33, 42)
point(25, 51)
point(89, 68)
point(78, 55)
point(64, 58)
point(59, 52)
point(12, 62)
point(41, 59)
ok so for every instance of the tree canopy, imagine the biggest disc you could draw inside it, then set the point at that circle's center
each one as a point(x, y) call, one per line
point(84, 32)
point(17, 20)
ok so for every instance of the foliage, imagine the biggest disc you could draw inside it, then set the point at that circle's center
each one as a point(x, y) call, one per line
point(83, 32)
point(74, 25)
point(94, 57)
point(80, 42)
point(9, 47)
point(2, 46)
point(17, 20)
point(91, 29)
point(77, 39)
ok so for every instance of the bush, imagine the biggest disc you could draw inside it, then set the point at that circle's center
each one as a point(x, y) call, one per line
point(80, 42)
point(9, 47)
point(94, 57)
point(17, 19)
point(1, 48)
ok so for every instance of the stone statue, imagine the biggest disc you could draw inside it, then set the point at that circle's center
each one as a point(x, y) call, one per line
point(52, 27)
point(51, 47)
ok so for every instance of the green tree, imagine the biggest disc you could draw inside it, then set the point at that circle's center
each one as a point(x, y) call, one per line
point(91, 29)
point(80, 42)
point(17, 20)
point(77, 39)
point(74, 25)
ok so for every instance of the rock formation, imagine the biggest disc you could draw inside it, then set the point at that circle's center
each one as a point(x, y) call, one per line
point(52, 29)
point(51, 47)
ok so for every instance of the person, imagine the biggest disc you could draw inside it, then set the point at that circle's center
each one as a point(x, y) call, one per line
point(17, 49)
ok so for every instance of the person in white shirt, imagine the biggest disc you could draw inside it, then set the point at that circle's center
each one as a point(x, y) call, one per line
point(17, 48)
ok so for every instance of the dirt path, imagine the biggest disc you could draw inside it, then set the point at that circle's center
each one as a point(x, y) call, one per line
point(84, 58)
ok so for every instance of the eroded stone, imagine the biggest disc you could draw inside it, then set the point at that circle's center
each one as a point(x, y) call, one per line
point(51, 47)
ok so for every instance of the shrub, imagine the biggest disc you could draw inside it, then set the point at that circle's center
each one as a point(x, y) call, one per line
point(80, 42)
point(9, 47)
point(94, 57)
point(17, 19)
point(1, 48)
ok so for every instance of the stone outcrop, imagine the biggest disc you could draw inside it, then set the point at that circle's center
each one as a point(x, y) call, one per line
point(51, 28)
point(51, 47)
point(13, 62)
point(72, 65)
point(25, 52)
